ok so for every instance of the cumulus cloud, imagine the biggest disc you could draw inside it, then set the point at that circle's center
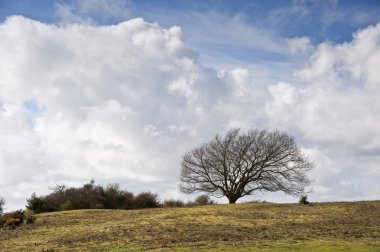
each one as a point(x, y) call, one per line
point(113, 103)
point(336, 112)
point(122, 103)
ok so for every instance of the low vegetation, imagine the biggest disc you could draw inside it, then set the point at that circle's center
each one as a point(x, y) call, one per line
point(343, 226)
point(91, 196)
point(17, 218)
point(303, 200)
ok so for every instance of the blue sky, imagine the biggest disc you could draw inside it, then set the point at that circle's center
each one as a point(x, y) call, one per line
point(323, 20)
point(320, 21)
point(118, 90)
point(329, 20)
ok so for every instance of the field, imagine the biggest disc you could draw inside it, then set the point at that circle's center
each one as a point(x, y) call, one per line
point(343, 226)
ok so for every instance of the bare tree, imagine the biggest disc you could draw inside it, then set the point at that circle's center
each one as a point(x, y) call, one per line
point(239, 164)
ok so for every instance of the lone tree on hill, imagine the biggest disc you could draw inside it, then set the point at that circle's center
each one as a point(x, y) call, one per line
point(239, 164)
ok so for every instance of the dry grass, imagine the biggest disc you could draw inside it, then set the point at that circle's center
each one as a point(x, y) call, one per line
point(264, 226)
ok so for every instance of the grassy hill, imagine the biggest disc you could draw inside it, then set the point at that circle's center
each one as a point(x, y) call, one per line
point(343, 226)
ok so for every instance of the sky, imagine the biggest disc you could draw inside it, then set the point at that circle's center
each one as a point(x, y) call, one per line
point(117, 91)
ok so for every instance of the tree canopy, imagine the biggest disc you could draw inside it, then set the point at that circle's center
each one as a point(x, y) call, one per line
point(239, 164)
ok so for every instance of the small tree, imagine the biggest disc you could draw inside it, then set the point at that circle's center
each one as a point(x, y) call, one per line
point(240, 164)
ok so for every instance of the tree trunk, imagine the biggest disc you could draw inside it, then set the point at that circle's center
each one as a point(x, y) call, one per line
point(232, 200)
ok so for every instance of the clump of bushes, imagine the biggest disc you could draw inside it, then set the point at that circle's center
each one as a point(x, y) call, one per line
point(173, 203)
point(303, 200)
point(91, 196)
point(201, 200)
point(146, 200)
point(29, 216)
point(17, 218)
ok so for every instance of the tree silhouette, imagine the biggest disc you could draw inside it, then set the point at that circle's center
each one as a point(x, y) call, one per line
point(237, 164)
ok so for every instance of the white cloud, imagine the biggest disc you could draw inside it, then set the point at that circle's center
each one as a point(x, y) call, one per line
point(239, 79)
point(341, 102)
point(283, 93)
point(122, 103)
point(102, 90)
point(359, 59)
point(299, 45)
point(337, 114)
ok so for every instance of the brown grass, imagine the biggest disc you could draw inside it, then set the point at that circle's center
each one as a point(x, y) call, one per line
point(240, 226)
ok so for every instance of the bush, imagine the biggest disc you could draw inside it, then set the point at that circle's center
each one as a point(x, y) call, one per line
point(67, 205)
point(115, 198)
point(41, 204)
point(303, 200)
point(91, 196)
point(2, 203)
point(13, 219)
point(173, 203)
point(17, 218)
point(146, 200)
point(29, 217)
point(203, 200)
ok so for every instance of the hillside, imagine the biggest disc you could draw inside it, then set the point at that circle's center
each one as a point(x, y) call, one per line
point(241, 227)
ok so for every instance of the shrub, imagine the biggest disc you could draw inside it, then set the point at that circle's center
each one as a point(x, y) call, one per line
point(67, 205)
point(16, 218)
point(173, 203)
point(19, 215)
point(13, 219)
point(86, 197)
point(203, 200)
point(37, 204)
point(2, 203)
point(146, 200)
point(303, 200)
point(29, 217)
point(91, 196)
point(115, 198)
